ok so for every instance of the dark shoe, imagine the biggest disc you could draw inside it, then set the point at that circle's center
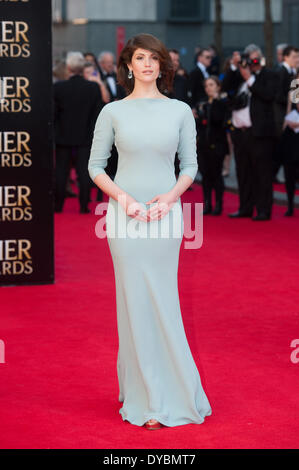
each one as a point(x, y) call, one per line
point(261, 216)
point(207, 210)
point(84, 210)
point(58, 207)
point(240, 214)
point(69, 193)
point(218, 209)
point(289, 212)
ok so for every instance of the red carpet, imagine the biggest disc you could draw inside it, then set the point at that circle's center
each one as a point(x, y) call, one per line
point(282, 189)
point(240, 306)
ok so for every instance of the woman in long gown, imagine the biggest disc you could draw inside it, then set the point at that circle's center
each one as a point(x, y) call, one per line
point(159, 383)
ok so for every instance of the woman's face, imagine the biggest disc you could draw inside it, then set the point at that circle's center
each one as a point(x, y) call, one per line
point(145, 65)
point(88, 72)
point(90, 58)
point(211, 88)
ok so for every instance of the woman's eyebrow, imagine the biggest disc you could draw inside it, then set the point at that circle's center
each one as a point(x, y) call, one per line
point(141, 53)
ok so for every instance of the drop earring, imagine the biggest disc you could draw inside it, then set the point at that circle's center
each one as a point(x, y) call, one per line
point(160, 75)
point(130, 75)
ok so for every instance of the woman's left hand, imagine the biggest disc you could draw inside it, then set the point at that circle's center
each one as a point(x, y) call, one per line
point(165, 202)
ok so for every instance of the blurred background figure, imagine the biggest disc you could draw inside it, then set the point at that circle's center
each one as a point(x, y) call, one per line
point(59, 71)
point(214, 68)
point(212, 144)
point(290, 149)
point(91, 58)
point(279, 55)
point(254, 131)
point(91, 73)
point(107, 68)
point(196, 90)
point(180, 84)
point(286, 72)
point(77, 103)
point(228, 158)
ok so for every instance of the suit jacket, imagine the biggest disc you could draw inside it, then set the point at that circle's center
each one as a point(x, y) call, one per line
point(196, 87)
point(120, 91)
point(180, 89)
point(77, 103)
point(263, 91)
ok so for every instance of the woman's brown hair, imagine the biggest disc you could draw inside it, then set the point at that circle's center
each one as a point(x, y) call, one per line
point(215, 79)
point(150, 43)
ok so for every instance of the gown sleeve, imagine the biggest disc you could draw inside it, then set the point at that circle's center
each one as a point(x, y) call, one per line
point(103, 138)
point(187, 151)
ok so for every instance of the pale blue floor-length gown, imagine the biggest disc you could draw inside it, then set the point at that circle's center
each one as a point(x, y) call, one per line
point(157, 375)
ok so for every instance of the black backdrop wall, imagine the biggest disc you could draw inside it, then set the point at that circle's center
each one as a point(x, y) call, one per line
point(26, 143)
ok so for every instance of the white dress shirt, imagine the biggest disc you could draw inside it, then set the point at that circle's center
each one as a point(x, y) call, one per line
point(289, 69)
point(203, 69)
point(112, 85)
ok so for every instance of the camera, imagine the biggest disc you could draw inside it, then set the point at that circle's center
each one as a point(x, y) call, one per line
point(247, 62)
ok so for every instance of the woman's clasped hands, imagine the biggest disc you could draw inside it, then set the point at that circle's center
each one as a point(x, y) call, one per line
point(164, 203)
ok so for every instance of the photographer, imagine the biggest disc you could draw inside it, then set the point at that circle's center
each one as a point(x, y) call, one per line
point(252, 89)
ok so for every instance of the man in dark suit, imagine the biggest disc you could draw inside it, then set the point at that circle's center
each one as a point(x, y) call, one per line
point(279, 57)
point(196, 90)
point(106, 64)
point(77, 103)
point(254, 87)
point(180, 82)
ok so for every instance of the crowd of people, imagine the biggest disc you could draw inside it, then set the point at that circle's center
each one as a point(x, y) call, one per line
point(243, 109)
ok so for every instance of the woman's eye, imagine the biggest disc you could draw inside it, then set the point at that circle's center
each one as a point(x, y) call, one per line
point(156, 58)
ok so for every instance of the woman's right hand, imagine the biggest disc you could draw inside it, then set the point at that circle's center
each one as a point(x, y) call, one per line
point(134, 209)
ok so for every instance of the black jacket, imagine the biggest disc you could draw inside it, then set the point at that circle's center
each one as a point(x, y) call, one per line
point(120, 91)
point(77, 103)
point(180, 89)
point(211, 127)
point(263, 91)
point(196, 87)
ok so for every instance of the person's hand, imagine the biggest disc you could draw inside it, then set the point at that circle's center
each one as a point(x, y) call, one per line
point(194, 112)
point(245, 72)
point(236, 58)
point(164, 203)
point(292, 124)
point(96, 78)
point(133, 208)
